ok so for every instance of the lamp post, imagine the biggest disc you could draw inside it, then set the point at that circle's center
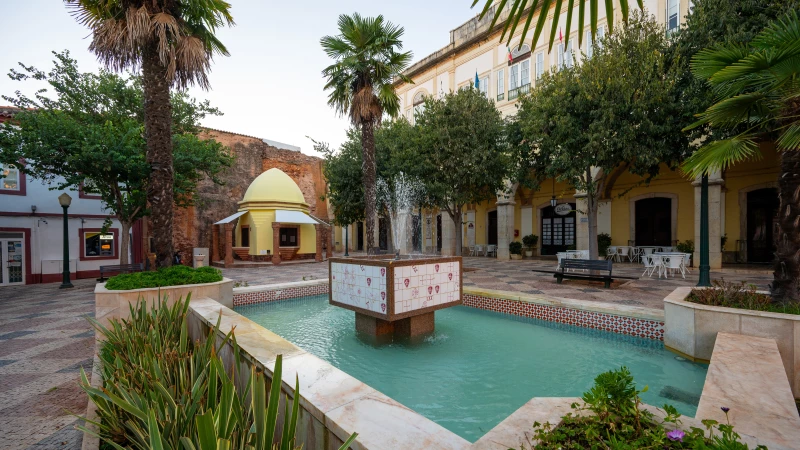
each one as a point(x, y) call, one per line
point(705, 268)
point(347, 240)
point(65, 200)
point(554, 200)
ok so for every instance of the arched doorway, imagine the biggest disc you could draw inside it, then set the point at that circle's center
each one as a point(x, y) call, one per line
point(654, 221)
point(439, 233)
point(491, 228)
point(558, 228)
point(360, 236)
point(762, 223)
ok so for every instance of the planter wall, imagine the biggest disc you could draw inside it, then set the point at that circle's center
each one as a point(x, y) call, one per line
point(114, 304)
point(691, 329)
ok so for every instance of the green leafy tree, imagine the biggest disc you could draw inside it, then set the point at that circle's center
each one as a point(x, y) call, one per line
point(360, 83)
point(525, 10)
point(342, 171)
point(91, 135)
point(613, 112)
point(173, 43)
point(459, 153)
point(757, 90)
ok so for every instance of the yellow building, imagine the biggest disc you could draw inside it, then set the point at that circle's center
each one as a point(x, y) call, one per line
point(273, 222)
point(742, 200)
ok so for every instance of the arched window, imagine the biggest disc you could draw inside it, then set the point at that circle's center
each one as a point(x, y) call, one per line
point(516, 52)
point(419, 97)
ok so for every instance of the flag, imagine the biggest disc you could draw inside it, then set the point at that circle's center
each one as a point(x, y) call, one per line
point(560, 35)
point(510, 58)
point(477, 81)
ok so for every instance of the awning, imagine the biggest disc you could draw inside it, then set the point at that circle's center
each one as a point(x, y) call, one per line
point(230, 219)
point(284, 216)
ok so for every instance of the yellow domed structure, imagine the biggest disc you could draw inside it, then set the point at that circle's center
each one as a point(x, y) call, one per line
point(273, 223)
point(274, 186)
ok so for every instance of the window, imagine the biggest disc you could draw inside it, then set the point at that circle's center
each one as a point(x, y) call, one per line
point(519, 52)
point(289, 237)
point(11, 178)
point(245, 236)
point(513, 77)
point(501, 89)
point(525, 72)
point(98, 244)
point(672, 15)
point(565, 55)
point(589, 43)
point(484, 86)
point(539, 65)
point(87, 189)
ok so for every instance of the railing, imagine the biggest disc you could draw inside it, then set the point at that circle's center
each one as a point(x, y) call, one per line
point(500, 97)
point(516, 92)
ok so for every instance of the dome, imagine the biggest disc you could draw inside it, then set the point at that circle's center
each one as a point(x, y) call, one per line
point(274, 186)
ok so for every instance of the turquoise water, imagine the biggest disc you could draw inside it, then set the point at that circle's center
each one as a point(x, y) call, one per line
point(480, 366)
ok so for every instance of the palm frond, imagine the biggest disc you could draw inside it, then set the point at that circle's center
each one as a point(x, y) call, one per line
point(789, 139)
point(721, 154)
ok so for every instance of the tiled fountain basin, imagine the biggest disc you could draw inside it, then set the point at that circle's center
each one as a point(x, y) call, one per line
point(393, 289)
point(691, 329)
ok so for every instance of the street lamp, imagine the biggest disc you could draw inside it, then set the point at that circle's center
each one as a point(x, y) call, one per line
point(65, 200)
point(346, 240)
point(705, 268)
point(554, 200)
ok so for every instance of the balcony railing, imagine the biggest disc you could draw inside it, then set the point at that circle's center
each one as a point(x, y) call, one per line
point(516, 92)
point(500, 97)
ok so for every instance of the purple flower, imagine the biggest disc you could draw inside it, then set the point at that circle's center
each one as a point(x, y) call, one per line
point(725, 409)
point(676, 435)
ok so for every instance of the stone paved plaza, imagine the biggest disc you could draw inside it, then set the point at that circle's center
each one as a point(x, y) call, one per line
point(45, 338)
point(44, 341)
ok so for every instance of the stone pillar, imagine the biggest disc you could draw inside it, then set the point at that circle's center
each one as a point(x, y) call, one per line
point(448, 235)
point(276, 243)
point(331, 234)
point(505, 219)
point(318, 255)
point(715, 185)
point(214, 243)
point(228, 244)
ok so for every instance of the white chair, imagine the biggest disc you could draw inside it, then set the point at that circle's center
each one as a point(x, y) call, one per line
point(560, 256)
point(672, 263)
point(611, 252)
point(623, 252)
point(636, 254)
point(645, 252)
point(471, 250)
point(491, 250)
point(478, 249)
point(652, 263)
point(584, 254)
point(686, 262)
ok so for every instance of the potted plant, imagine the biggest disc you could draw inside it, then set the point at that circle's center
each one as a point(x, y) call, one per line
point(515, 248)
point(530, 242)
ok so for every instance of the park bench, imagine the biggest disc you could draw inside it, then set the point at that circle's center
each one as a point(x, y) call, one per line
point(120, 268)
point(590, 271)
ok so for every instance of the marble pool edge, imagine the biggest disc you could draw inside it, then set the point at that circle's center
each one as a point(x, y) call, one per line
point(622, 319)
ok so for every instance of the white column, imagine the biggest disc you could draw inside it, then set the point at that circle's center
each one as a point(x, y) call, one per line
point(715, 220)
point(505, 219)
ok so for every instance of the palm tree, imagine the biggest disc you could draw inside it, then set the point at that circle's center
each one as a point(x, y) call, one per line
point(758, 92)
point(173, 43)
point(520, 10)
point(360, 80)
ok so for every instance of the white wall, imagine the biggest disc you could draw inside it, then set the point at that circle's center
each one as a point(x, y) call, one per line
point(481, 63)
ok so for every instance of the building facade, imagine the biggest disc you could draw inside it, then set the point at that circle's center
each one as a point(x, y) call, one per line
point(742, 200)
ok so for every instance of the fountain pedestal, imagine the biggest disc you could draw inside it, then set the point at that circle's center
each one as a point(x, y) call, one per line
point(394, 297)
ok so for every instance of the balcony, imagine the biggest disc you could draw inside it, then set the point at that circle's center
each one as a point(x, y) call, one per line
point(501, 97)
point(516, 92)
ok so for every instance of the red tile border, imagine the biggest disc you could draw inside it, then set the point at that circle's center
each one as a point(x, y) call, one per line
point(650, 329)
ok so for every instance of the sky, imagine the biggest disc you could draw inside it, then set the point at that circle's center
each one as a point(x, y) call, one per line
point(271, 84)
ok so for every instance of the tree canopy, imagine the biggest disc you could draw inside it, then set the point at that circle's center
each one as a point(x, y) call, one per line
point(90, 135)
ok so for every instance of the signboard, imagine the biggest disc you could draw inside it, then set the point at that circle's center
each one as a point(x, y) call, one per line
point(563, 209)
point(107, 237)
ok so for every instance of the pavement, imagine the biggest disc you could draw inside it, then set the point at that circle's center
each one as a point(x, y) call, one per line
point(44, 341)
point(45, 338)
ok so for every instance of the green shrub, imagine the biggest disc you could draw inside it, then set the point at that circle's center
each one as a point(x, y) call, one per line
point(603, 242)
point(162, 390)
point(530, 241)
point(739, 295)
point(167, 276)
point(686, 246)
point(515, 248)
point(612, 418)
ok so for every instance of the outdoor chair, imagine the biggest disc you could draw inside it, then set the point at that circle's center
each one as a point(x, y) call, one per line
point(560, 256)
point(674, 263)
point(623, 253)
point(686, 262)
point(478, 249)
point(471, 250)
point(491, 250)
point(611, 252)
point(651, 264)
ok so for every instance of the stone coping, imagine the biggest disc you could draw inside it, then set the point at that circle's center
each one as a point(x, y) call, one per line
point(746, 374)
point(636, 312)
point(334, 398)
point(678, 296)
point(278, 287)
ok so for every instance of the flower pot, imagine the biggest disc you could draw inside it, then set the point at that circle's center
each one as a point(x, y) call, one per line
point(516, 257)
point(528, 253)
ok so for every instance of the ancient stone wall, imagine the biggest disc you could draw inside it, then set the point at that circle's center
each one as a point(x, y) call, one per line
point(193, 225)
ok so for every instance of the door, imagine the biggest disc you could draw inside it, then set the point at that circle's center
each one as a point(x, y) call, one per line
point(12, 256)
point(558, 228)
point(360, 236)
point(654, 221)
point(762, 207)
point(383, 233)
point(439, 233)
point(416, 233)
point(491, 228)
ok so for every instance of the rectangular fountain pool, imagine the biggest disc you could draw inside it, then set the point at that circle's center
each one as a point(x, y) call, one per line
point(480, 366)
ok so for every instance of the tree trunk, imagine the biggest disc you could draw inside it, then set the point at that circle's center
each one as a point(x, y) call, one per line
point(591, 213)
point(369, 174)
point(786, 285)
point(124, 242)
point(456, 216)
point(158, 133)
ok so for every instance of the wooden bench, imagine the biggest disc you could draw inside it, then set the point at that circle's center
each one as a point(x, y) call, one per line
point(590, 267)
point(120, 268)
